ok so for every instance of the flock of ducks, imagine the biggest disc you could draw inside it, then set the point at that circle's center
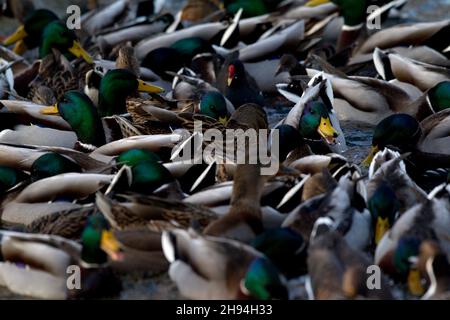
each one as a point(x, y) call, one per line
point(90, 118)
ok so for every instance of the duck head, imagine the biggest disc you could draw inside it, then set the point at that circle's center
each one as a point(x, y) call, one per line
point(29, 34)
point(400, 131)
point(57, 35)
point(10, 177)
point(78, 110)
point(383, 205)
point(315, 123)
point(99, 242)
point(116, 86)
point(133, 156)
point(438, 97)
point(405, 263)
point(285, 248)
point(51, 164)
point(236, 73)
point(263, 281)
point(213, 105)
point(353, 11)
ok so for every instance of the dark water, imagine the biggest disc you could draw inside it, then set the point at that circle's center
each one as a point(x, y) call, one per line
point(358, 136)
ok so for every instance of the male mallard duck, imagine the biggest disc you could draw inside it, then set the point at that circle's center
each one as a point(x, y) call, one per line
point(57, 35)
point(424, 221)
point(47, 259)
point(426, 141)
point(437, 269)
point(314, 117)
point(370, 100)
point(232, 269)
point(342, 206)
point(422, 75)
point(431, 34)
point(390, 191)
point(285, 248)
point(29, 34)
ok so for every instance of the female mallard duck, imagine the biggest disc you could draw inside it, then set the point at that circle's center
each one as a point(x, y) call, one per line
point(125, 212)
point(29, 34)
point(47, 259)
point(232, 270)
point(337, 271)
point(422, 75)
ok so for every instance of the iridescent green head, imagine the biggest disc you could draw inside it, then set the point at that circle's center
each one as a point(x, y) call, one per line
point(407, 248)
point(354, 12)
point(98, 241)
point(57, 35)
point(439, 96)
point(31, 30)
point(51, 164)
point(263, 281)
point(285, 248)
point(78, 110)
point(398, 130)
point(213, 105)
point(190, 47)
point(383, 205)
point(116, 86)
point(251, 8)
point(149, 176)
point(133, 156)
point(9, 177)
point(315, 123)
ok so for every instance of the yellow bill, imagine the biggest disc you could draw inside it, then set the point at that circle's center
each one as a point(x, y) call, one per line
point(368, 160)
point(20, 47)
point(147, 87)
point(315, 3)
point(223, 120)
point(51, 110)
point(381, 228)
point(415, 282)
point(326, 130)
point(18, 35)
point(78, 51)
point(110, 245)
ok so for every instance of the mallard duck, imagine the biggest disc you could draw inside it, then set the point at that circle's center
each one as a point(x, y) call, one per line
point(398, 248)
point(390, 191)
point(29, 34)
point(425, 140)
point(47, 259)
point(348, 215)
point(436, 267)
point(337, 271)
point(422, 75)
point(314, 117)
point(285, 248)
point(431, 34)
point(233, 270)
point(352, 102)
